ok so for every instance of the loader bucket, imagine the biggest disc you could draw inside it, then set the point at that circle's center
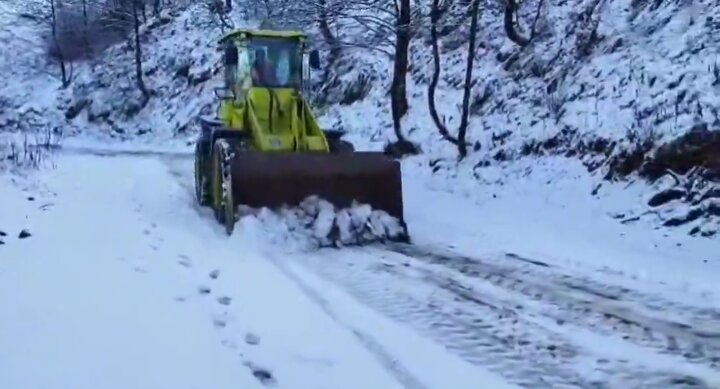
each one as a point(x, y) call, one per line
point(273, 179)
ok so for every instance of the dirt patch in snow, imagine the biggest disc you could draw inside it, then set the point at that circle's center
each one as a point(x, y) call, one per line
point(697, 151)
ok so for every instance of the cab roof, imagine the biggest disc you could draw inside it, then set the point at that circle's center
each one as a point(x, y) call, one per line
point(262, 33)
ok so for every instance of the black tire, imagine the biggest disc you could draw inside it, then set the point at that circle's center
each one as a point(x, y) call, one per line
point(223, 201)
point(339, 146)
point(202, 186)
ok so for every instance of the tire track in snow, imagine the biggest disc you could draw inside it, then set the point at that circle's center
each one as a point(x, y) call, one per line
point(390, 363)
point(482, 331)
point(493, 329)
point(634, 316)
point(565, 300)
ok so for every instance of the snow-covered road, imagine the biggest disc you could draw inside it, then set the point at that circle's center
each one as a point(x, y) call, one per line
point(537, 326)
point(126, 283)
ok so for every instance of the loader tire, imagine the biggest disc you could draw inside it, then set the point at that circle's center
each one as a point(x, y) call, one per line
point(202, 186)
point(338, 146)
point(222, 196)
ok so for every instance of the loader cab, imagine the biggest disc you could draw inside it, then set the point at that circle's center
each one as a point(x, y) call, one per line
point(263, 59)
point(267, 70)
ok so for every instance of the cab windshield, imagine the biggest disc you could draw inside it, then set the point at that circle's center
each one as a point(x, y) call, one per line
point(275, 62)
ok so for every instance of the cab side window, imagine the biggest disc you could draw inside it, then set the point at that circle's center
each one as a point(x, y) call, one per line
point(231, 62)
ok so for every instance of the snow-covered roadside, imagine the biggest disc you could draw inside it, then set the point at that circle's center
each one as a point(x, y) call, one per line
point(81, 305)
point(124, 282)
point(543, 210)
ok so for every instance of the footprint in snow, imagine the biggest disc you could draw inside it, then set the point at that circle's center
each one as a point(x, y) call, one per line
point(229, 344)
point(252, 339)
point(24, 234)
point(262, 374)
point(184, 260)
point(215, 274)
point(203, 290)
point(2, 233)
point(219, 323)
point(225, 300)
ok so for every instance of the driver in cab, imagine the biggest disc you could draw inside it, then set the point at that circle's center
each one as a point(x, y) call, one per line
point(263, 73)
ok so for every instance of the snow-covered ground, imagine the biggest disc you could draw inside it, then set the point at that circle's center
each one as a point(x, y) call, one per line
point(125, 282)
point(524, 270)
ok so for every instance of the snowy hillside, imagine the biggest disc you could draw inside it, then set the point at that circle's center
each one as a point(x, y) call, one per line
point(606, 83)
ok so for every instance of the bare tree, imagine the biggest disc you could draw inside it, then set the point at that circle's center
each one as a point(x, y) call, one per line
point(511, 22)
point(86, 38)
point(65, 74)
point(389, 21)
point(386, 25)
point(460, 140)
point(324, 21)
point(398, 88)
point(218, 10)
point(124, 11)
point(136, 7)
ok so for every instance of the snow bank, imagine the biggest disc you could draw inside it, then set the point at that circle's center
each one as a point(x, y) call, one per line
point(318, 223)
point(552, 217)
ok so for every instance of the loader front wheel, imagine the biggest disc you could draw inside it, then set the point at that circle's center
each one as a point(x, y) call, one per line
point(223, 201)
point(202, 188)
point(339, 146)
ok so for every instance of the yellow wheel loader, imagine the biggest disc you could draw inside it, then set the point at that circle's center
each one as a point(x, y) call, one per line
point(265, 148)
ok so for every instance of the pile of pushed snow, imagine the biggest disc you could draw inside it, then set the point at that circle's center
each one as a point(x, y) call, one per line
point(317, 223)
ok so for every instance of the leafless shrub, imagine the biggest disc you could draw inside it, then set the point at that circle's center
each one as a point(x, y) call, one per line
point(218, 14)
point(587, 23)
point(460, 140)
point(715, 70)
point(33, 153)
point(84, 28)
point(511, 22)
point(642, 130)
point(555, 103)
